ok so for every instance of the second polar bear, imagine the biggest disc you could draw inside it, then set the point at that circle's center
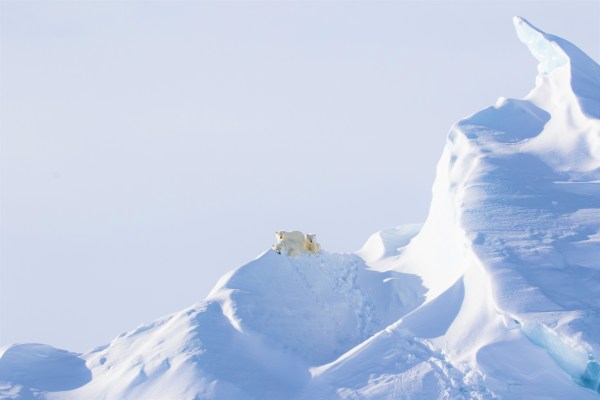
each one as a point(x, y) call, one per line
point(289, 243)
point(295, 242)
point(310, 243)
point(289, 247)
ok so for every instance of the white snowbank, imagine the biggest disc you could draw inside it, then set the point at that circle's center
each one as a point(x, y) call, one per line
point(27, 369)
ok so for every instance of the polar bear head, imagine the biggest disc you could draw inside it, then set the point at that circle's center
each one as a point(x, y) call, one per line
point(311, 237)
point(277, 247)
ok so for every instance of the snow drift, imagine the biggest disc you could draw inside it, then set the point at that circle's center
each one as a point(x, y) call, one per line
point(495, 296)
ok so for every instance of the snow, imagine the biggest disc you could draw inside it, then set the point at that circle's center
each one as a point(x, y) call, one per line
point(494, 296)
point(542, 46)
point(567, 90)
point(36, 368)
point(387, 243)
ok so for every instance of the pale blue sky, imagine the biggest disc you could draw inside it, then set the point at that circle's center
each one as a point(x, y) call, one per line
point(149, 147)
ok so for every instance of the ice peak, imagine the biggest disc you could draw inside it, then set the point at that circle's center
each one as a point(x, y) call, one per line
point(564, 64)
point(543, 46)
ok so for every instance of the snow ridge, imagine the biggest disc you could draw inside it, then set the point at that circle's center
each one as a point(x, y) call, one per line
point(553, 53)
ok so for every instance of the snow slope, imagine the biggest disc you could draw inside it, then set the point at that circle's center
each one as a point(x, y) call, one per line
point(495, 296)
point(255, 336)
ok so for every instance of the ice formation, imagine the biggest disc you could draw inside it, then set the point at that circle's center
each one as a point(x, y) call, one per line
point(494, 296)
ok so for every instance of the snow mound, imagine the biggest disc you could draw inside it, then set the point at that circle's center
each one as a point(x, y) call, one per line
point(26, 369)
point(258, 332)
point(387, 243)
point(316, 306)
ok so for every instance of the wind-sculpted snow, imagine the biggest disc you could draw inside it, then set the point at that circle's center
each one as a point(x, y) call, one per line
point(531, 219)
point(316, 306)
point(387, 243)
point(494, 296)
point(555, 53)
point(255, 337)
point(518, 189)
point(509, 253)
point(39, 368)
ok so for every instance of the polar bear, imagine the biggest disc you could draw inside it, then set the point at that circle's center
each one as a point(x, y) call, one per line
point(295, 242)
point(310, 243)
point(289, 247)
point(293, 235)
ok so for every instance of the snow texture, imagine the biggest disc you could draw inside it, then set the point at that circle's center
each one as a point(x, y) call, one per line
point(494, 296)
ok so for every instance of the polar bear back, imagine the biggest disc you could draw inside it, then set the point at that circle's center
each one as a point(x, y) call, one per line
point(292, 235)
point(292, 243)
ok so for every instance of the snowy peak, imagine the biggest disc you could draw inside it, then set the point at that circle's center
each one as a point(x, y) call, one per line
point(566, 100)
point(567, 64)
point(521, 179)
point(544, 47)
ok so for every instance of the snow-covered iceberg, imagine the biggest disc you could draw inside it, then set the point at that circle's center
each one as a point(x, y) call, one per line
point(494, 296)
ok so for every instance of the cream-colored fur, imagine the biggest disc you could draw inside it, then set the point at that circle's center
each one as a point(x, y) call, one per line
point(310, 243)
point(292, 235)
point(295, 242)
point(289, 247)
